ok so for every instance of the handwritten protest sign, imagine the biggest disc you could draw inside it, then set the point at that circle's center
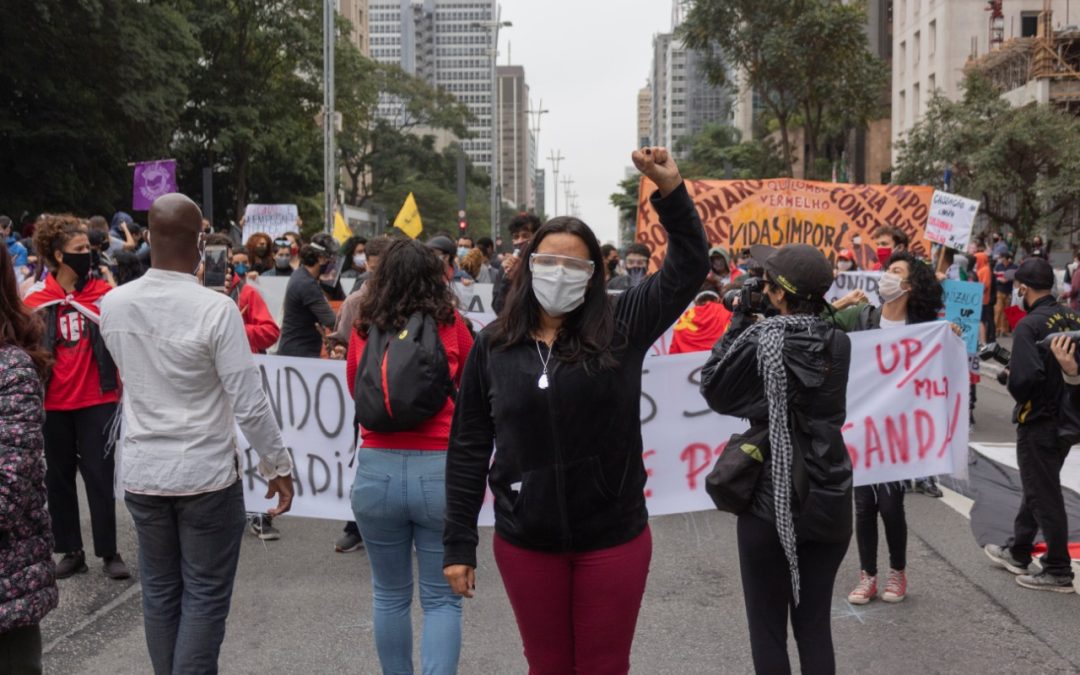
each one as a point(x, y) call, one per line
point(950, 220)
point(829, 216)
point(907, 408)
point(846, 282)
point(272, 219)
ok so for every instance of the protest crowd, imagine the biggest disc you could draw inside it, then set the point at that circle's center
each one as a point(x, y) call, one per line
point(131, 348)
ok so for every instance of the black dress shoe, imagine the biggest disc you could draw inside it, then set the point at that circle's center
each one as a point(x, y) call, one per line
point(71, 564)
point(115, 568)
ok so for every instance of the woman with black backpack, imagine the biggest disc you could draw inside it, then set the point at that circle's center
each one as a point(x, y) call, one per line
point(555, 383)
point(404, 361)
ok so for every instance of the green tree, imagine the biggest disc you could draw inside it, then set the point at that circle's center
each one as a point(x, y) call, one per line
point(85, 88)
point(253, 103)
point(718, 152)
point(1020, 162)
point(809, 60)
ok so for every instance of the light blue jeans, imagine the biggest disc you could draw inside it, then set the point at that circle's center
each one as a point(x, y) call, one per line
point(399, 498)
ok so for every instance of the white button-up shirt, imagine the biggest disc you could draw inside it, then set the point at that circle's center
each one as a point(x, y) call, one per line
point(188, 379)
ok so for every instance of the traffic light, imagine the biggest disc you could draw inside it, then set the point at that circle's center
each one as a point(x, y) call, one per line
point(462, 225)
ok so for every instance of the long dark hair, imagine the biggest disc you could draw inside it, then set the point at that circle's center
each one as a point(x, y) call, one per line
point(346, 251)
point(19, 325)
point(587, 333)
point(926, 297)
point(410, 278)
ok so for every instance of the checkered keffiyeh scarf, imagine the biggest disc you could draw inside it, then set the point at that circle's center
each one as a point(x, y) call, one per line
point(770, 360)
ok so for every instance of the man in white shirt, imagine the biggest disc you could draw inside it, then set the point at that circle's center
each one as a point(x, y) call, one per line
point(189, 377)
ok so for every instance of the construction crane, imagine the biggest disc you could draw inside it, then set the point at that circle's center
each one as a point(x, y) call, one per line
point(997, 23)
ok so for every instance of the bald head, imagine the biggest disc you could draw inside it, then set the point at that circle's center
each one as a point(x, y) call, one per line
point(175, 226)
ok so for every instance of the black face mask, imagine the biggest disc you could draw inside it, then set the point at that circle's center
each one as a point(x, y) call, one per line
point(80, 263)
point(613, 265)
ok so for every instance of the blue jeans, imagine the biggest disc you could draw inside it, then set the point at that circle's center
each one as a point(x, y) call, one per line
point(399, 498)
point(188, 551)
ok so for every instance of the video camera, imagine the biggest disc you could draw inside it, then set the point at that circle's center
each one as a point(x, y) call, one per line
point(994, 351)
point(750, 299)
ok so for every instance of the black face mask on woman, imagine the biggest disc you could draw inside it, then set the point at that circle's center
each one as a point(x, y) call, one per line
point(80, 264)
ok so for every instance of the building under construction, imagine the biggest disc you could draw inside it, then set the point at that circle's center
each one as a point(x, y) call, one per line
point(1044, 69)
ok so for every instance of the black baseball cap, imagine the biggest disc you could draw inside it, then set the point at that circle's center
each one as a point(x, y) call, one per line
point(1036, 273)
point(800, 269)
point(442, 244)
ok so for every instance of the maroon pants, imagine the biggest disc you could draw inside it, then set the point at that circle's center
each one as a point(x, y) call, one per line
point(576, 611)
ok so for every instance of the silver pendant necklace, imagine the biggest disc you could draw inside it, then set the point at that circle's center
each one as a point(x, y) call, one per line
point(543, 381)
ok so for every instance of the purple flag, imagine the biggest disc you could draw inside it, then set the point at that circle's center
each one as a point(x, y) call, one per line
point(152, 179)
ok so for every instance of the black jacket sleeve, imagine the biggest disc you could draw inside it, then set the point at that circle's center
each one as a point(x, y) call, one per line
point(1026, 367)
point(313, 298)
point(472, 440)
point(499, 292)
point(736, 389)
point(651, 307)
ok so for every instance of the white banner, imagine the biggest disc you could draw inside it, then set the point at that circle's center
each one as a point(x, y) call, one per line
point(846, 282)
point(272, 219)
point(950, 219)
point(907, 397)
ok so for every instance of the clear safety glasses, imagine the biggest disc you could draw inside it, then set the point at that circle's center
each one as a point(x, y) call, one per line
point(552, 260)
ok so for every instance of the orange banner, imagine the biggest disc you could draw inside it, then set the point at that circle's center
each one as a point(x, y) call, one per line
point(778, 211)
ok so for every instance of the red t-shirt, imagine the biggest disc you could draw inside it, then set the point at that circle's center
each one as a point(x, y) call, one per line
point(433, 434)
point(74, 380)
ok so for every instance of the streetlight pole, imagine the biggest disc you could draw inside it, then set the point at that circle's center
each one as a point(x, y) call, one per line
point(555, 159)
point(492, 28)
point(536, 115)
point(329, 125)
point(567, 182)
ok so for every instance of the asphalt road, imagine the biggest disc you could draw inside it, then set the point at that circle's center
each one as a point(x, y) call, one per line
point(300, 608)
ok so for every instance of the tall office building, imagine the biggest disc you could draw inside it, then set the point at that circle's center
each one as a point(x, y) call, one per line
point(356, 12)
point(644, 116)
point(933, 39)
point(517, 156)
point(683, 100)
point(541, 191)
point(449, 44)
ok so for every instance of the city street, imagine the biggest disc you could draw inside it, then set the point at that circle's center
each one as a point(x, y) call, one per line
point(299, 607)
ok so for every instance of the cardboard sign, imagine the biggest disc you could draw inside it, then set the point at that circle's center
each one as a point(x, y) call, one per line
point(828, 216)
point(272, 219)
point(950, 220)
point(846, 282)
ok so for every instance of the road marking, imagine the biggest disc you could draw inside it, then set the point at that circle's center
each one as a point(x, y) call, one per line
point(94, 616)
point(846, 610)
point(957, 502)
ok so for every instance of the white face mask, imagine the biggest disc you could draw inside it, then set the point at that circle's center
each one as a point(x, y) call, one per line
point(360, 260)
point(844, 265)
point(889, 288)
point(558, 289)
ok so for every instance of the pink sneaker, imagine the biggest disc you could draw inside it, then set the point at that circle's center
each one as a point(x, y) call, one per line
point(865, 591)
point(896, 588)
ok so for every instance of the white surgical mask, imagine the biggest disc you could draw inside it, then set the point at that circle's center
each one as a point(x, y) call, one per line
point(889, 287)
point(359, 260)
point(844, 265)
point(559, 290)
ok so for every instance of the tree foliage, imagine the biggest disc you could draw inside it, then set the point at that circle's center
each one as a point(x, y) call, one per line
point(85, 88)
point(808, 59)
point(1020, 162)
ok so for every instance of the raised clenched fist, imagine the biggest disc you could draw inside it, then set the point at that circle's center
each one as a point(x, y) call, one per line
point(658, 164)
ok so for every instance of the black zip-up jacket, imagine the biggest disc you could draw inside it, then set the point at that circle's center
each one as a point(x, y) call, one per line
point(108, 375)
point(1035, 380)
point(568, 473)
point(817, 362)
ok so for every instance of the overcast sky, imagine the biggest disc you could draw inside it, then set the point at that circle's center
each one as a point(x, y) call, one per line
point(586, 60)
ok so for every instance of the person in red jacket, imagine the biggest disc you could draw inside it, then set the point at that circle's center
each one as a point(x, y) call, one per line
point(262, 331)
point(399, 494)
point(80, 397)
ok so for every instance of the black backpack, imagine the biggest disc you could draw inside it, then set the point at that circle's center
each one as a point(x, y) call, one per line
point(403, 379)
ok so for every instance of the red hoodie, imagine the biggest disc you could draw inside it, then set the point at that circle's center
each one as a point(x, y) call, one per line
point(74, 382)
point(262, 331)
point(433, 434)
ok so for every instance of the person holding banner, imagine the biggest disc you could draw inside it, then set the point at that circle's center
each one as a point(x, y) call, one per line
point(398, 496)
point(553, 386)
point(788, 376)
point(911, 294)
point(260, 250)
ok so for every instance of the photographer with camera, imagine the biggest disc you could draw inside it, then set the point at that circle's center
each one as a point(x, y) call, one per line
point(1044, 415)
point(788, 375)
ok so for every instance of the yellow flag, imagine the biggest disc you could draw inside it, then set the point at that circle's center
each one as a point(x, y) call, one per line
point(408, 218)
point(341, 230)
